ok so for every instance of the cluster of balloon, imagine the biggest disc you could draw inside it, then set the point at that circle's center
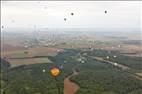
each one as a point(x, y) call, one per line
point(55, 72)
point(65, 19)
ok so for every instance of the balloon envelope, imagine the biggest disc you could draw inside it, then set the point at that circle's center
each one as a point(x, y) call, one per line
point(2, 26)
point(72, 14)
point(55, 71)
point(65, 19)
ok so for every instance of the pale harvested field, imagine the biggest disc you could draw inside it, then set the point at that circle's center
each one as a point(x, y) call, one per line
point(44, 50)
point(128, 50)
point(140, 74)
point(17, 62)
point(37, 51)
point(9, 51)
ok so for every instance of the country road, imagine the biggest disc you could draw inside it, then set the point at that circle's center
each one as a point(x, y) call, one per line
point(70, 87)
point(121, 66)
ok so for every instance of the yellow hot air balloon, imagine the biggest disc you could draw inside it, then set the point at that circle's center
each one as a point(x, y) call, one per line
point(55, 71)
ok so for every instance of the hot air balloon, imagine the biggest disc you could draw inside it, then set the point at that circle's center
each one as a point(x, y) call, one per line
point(65, 19)
point(107, 57)
point(2, 27)
point(61, 67)
point(55, 71)
point(72, 14)
point(43, 70)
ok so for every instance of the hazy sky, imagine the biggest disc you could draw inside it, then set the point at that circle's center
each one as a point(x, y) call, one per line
point(87, 14)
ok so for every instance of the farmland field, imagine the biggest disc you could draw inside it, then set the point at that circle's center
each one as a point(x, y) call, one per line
point(71, 47)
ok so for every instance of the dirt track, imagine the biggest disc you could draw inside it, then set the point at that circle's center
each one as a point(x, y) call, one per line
point(112, 63)
point(123, 67)
point(70, 87)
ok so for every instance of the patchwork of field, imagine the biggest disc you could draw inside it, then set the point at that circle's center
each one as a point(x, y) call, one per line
point(105, 64)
